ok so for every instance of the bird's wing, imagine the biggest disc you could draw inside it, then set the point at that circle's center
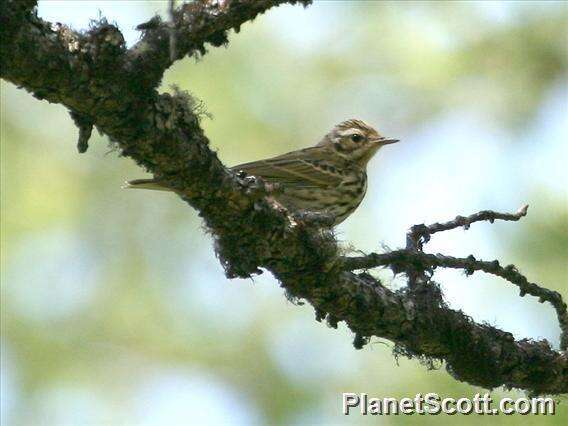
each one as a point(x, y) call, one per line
point(299, 169)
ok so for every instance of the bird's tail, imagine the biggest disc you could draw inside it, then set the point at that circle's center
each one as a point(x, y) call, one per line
point(145, 184)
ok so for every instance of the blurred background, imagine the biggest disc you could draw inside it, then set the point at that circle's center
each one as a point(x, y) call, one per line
point(114, 308)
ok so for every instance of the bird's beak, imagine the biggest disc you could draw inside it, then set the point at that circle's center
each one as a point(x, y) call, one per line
point(384, 141)
point(372, 148)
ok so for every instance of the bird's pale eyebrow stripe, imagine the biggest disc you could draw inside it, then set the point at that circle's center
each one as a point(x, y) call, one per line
point(349, 132)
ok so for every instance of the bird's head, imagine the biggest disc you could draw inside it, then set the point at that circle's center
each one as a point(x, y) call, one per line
point(355, 140)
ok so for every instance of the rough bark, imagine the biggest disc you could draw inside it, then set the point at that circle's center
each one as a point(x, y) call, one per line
point(106, 85)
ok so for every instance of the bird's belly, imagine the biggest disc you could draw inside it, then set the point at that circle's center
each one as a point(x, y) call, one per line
point(338, 202)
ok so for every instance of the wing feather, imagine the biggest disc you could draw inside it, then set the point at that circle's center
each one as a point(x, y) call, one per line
point(295, 169)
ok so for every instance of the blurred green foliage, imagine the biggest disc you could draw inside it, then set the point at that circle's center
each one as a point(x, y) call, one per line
point(114, 309)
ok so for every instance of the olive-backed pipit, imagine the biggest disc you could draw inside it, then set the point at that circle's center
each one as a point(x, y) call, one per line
point(329, 178)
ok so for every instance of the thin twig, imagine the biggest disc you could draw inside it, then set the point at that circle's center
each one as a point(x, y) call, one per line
point(420, 234)
point(171, 10)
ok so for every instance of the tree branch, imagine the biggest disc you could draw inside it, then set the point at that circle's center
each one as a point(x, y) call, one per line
point(420, 234)
point(399, 260)
point(192, 26)
point(114, 89)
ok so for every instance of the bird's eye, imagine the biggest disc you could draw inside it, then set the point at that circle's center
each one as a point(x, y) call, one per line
point(356, 138)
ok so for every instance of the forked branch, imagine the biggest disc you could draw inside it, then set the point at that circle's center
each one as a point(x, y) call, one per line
point(412, 258)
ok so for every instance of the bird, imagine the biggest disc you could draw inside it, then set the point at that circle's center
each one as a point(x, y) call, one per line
point(328, 179)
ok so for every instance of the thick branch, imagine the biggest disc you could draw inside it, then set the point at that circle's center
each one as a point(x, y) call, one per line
point(476, 353)
point(112, 88)
point(95, 77)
